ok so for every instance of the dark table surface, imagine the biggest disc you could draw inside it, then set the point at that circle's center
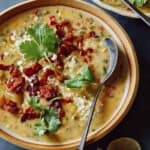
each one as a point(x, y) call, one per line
point(137, 122)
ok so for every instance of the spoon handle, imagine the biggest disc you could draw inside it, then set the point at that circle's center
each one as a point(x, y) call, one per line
point(89, 119)
point(145, 18)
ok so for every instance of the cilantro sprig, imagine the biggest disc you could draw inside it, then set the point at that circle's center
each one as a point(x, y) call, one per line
point(49, 120)
point(34, 102)
point(43, 41)
point(85, 77)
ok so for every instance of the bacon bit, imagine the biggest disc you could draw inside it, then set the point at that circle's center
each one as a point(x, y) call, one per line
point(33, 88)
point(35, 68)
point(83, 53)
point(2, 101)
point(64, 50)
point(66, 24)
point(85, 60)
point(58, 76)
point(48, 91)
point(59, 62)
point(14, 71)
point(66, 100)
point(16, 84)
point(91, 34)
point(52, 73)
point(45, 76)
point(4, 67)
point(52, 20)
point(58, 105)
point(79, 40)
point(1, 56)
point(90, 50)
point(9, 105)
point(62, 28)
point(60, 31)
point(30, 114)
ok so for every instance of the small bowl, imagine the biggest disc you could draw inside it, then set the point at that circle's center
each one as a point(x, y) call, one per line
point(117, 10)
point(124, 44)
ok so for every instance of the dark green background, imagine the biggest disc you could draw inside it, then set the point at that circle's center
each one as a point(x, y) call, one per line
point(137, 122)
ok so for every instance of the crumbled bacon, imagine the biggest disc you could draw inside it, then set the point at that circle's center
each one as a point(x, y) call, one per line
point(33, 86)
point(52, 20)
point(48, 91)
point(59, 62)
point(91, 34)
point(1, 56)
point(4, 67)
point(63, 28)
point(35, 68)
point(66, 48)
point(69, 42)
point(66, 100)
point(16, 84)
point(59, 76)
point(45, 76)
point(14, 71)
point(9, 105)
point(58, 105)
point(29, 114)
point(52, 73)
point(2, 101)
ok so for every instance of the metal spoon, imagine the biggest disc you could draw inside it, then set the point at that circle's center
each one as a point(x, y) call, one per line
point(113, 52)
point(143, 17)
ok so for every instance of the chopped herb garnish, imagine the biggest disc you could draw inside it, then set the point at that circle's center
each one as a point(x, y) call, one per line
point(85, 77)
point(34, 102)
point(43, 41)
point(138, 3)
point(50, 122)
point(40, 128)
point(81, 16)
point(57, 11)
point(104, 70)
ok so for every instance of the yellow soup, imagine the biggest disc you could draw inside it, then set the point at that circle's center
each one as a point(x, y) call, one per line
point(117, 3)
point(51, 62)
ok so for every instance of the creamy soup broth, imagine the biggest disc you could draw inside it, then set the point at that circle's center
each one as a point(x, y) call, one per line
point(14, 31)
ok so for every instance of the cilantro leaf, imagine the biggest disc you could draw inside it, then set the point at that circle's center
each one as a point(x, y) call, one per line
point(31, 50)
point(138, 3)
point(50, 122)
point(34, 102)
point(43, 41)
point(40, 128)
point(85, 77)
point(76, 83)
point(86, 74)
